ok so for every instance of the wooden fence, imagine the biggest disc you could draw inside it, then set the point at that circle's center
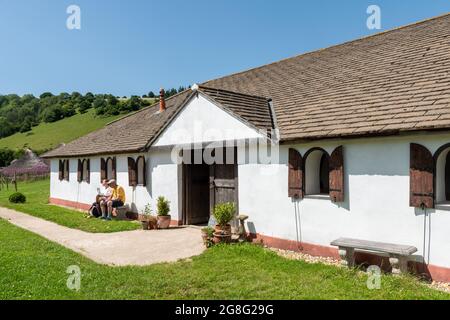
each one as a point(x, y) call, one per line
point(7, 182)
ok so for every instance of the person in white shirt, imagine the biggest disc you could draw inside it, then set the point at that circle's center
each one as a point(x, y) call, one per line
point(107, 189)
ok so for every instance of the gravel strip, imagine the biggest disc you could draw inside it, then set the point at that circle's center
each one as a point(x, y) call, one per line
point(292, 255)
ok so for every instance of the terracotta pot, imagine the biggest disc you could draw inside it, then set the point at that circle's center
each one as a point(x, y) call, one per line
point(145, 225)
point(205, 238)
point(144, 217)
point(220, 237)
point(163, 222)
point(226, 228)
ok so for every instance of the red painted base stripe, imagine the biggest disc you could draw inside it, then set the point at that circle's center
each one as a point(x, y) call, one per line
point(86, 207)
point(176, 223)
point(68, 203)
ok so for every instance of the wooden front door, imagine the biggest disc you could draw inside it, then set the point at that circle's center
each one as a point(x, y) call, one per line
point(224, 182)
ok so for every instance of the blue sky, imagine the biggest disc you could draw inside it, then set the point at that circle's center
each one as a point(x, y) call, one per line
point(132, 47)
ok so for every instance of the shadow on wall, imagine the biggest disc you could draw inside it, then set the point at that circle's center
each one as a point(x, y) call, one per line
point(382, 159)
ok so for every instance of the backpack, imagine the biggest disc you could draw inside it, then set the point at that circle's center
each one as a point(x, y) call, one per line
point(95, 210)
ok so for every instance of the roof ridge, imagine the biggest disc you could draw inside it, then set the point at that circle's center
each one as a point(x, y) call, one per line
point(146, 108)
point(235, 92)
point(332, 46)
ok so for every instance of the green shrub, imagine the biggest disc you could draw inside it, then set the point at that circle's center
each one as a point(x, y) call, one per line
point(163, 206)
point(17, 198)
point(224, 213)
point(209, 231)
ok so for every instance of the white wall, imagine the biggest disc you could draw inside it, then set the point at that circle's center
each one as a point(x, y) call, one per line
point(376, 203)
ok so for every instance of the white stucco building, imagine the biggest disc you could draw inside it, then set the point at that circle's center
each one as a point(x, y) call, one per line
point(358, 135)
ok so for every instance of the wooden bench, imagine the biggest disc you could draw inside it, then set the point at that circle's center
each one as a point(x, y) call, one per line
point(398, 254)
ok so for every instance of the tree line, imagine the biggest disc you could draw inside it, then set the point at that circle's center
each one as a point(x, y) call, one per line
point(21, 113)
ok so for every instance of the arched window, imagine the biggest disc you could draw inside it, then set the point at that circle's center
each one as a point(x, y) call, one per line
point(137, 171)
point(317, 169)
point(64, 171)
point(85, 170)
point(442, 177)
point(140, 171)
point(107, 168)
point(324, 174)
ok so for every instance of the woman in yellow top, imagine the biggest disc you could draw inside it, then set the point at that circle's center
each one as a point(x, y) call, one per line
point(116, 200)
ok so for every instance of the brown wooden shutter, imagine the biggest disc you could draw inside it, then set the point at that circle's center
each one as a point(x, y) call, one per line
point(114, 172)
point(132, 178)
point(61, 170)
point(88, 164)
point(102, 169)
point(336, 175)
point(421, 172)
point(80, 171)
point(295, 178)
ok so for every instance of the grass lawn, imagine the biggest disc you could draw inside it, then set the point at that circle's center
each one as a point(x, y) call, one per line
point(50, 135)
point(37, 193)
point(34, 268)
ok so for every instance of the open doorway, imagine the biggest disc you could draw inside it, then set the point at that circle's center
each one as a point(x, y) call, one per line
point(206, 185)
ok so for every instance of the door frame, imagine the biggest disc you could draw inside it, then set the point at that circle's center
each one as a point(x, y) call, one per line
point(185, 174)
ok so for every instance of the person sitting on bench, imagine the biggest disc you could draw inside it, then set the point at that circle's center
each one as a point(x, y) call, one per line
point(116, 200)
point(100, 200)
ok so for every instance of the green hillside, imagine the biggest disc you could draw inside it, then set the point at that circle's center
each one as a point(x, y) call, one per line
point(49, 135)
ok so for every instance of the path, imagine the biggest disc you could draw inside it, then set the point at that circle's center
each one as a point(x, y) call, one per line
point(136, 247)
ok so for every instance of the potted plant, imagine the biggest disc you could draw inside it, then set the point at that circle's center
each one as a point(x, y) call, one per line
point(145, 217)
point(208, 236)
point(163, 207)
point(223, 213)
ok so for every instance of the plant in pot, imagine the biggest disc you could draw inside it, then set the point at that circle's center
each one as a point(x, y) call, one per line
point(163, 207)
point(208, 236)
point(146, 217)
point(223, 213)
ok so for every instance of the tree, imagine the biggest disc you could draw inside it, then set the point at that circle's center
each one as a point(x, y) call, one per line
point(26, 126)
point(132, 104)
point(6, 156)
point(46, 95)
point(99, 105)
point(84, 106)
point(151, 94)
point(5, 128)
point(52, 113)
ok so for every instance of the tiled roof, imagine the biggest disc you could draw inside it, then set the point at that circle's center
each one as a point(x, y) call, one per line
point(383, 84)
point(386, 83)
point(252, 109)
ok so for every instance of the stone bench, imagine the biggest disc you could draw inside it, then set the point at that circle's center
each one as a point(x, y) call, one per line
point(121, 212)
point(398, 254)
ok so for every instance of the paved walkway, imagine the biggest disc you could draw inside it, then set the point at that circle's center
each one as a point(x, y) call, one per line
point(137, 247)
